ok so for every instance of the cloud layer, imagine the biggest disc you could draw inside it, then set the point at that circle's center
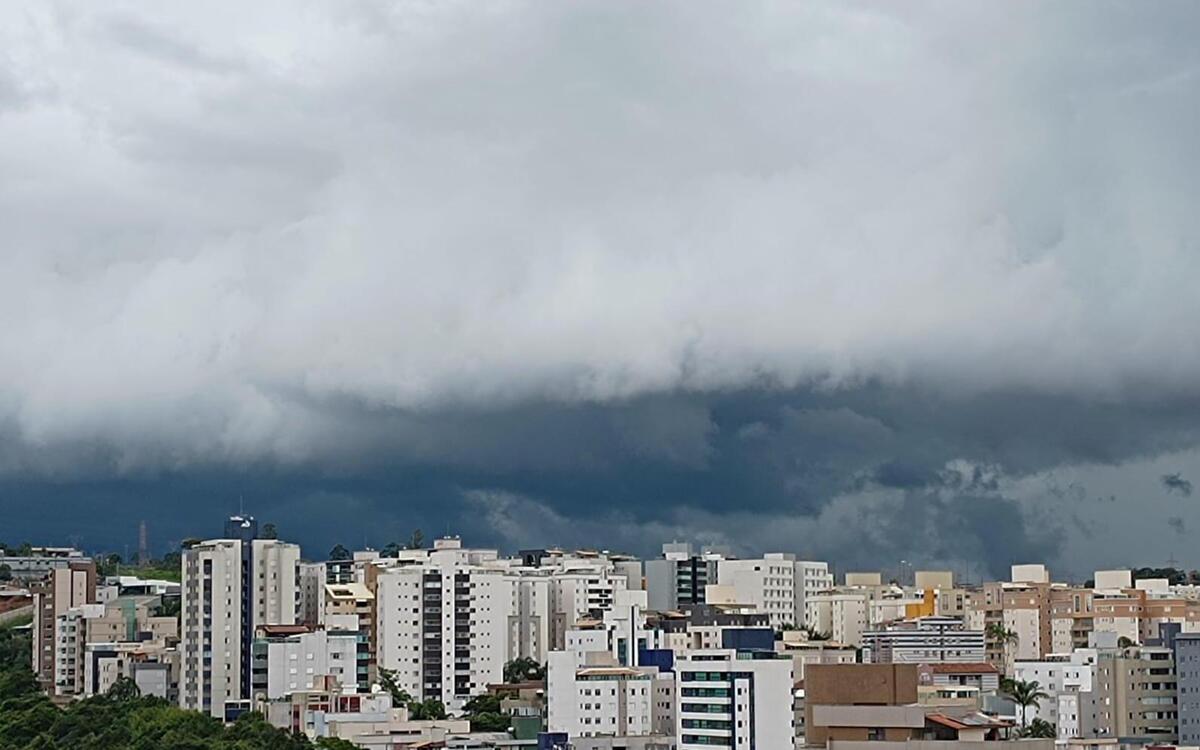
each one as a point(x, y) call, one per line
point(526, 240)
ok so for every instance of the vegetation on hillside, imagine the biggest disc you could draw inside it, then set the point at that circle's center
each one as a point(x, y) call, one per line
point(121, 720)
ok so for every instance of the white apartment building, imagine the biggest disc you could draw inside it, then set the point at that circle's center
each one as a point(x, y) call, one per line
point(444, 623)
point(1064, 677)
point(288, 658)
point(734, 701)
point(620, 632)
point(231, 586)
point(152, 665)
point(600, 698)
point(778, 585)
point(70, 639)
point(767, 584)
point(811, 577)
point(530, 625)
point(841, 614)
point(579, 590)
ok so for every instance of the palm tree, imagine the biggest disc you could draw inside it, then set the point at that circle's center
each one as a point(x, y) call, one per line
point(1002, 636)
point(1041, 729)
point(1024, 694)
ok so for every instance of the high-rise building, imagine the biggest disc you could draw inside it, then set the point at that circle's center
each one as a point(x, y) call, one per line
point(443, 623)
point(680, 576)
point(734, 699)
point(230, 587)
point(1187, 666)
point(65, 587)
point(1133, 696)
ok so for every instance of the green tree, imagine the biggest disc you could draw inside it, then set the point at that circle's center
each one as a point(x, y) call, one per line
point(417, 540)
point(523, 669)
point(124, 689)
point(388, 681)
point(430, 708)
point(339, 553)
point(485, 714)
point(269, 531)
point(5, 572)
point(1025, 694)
point(1002, 636)
point(334, 743)
point(391, 549)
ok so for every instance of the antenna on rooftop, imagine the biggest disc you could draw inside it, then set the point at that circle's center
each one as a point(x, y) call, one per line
point(1171, 561)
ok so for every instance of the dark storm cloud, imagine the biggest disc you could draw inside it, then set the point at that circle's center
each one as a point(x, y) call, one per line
point(1177, 484)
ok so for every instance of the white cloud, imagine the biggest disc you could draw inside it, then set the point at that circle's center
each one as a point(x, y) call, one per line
point(220, 219)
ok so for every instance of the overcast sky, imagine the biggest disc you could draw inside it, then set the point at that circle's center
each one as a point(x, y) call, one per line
point(863, 281)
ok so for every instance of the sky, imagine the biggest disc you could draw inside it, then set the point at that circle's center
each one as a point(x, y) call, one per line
point(863, 281)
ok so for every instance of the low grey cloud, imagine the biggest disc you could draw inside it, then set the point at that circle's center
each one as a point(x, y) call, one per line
point(1176, 484)
point(674, 262)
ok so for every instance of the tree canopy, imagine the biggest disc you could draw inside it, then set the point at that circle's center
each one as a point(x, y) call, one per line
point(522, 669)
point(121, 720)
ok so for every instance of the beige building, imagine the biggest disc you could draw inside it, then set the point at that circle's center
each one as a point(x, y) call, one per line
point(230, 587)
point(1133, 696)
point(354, 602)
point(64, 588)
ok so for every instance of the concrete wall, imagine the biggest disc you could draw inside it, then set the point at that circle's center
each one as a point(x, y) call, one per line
point(855, 684)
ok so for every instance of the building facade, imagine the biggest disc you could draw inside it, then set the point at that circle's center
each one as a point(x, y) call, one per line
point(230, 587)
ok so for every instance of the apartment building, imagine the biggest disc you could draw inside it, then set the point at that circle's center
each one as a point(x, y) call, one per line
point(1187, 691)
point(680, 576)
point(804, 652)
point(368, 721)
point(288, 658)
point(152, 665)
point(768, 584)
point(1066, 678)
point(68, 584)
point(812, 577)
point(590, 695)
point(350, 607)
point(1020, 607)
point(925, 640)
point(124, 619)
point(734, 699)
point(443, 623)
point(231, 586)
point(310, 583)
point(577, 589)
point(842, 614)
point(38, 562)
point(778, 585)
point(1133, 697)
